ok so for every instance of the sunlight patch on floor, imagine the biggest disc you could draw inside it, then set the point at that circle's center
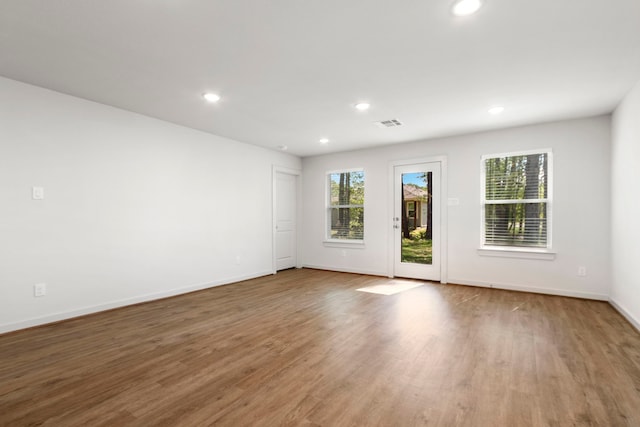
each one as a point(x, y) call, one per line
point(392, 288)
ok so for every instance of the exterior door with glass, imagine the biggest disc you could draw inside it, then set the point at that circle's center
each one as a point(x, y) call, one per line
point(416, 221)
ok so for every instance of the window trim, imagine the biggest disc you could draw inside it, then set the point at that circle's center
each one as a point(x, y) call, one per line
point(528, 252)
point(328, 241)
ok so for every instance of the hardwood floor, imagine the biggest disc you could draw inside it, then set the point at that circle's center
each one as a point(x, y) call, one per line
point(305, 348)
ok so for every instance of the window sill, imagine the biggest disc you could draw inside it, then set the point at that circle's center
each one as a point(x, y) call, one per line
point(355, 244)
point(522, 253)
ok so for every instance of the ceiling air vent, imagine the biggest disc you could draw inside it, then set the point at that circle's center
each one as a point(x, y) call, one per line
point(389, 123)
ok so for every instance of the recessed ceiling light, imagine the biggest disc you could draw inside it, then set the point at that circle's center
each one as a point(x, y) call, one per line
point(211, 97)
point(466, 7)
point(283, 147)
point(324, 140)
point(498, 109)
point(362, 106)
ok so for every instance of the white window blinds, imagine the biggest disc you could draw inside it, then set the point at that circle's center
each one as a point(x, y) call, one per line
point(345, 212)
point(516, 200)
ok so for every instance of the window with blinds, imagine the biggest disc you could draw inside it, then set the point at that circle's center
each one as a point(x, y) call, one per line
point(516, 199)
point(345, 210)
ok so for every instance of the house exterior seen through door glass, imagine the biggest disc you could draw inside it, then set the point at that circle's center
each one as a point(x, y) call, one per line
point(416, 221)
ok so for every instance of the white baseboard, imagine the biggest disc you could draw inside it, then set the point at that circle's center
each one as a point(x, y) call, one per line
point(520, 288)
point(625, 313)
point(56, 317)
point(346, 270)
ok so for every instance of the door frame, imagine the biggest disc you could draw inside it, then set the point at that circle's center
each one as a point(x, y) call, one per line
point(443, 212)
point(298, 175)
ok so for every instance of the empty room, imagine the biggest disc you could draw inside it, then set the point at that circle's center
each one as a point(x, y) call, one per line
point(337, 213)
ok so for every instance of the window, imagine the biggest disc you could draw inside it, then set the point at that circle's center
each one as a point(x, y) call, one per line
point(411, 209)
point(345, 212)
point(516, 200)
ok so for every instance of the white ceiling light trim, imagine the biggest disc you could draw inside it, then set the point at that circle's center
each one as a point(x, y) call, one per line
point(324, 140)
point(211, 97)
point(362, 106)
point(496, 109)
point(466, 7)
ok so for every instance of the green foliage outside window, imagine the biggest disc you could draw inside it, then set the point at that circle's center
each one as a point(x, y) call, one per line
point(516, 200)
point(346, 205)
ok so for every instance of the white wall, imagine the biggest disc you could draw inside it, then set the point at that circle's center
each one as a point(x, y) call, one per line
point(625, 206)
point(581, 214)
point(135, 208)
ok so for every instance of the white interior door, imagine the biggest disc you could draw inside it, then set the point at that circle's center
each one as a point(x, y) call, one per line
point(285, 220)
point(416, 221)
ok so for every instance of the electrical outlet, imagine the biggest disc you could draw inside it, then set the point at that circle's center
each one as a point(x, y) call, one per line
point(238, 260)
point(582, 271)
point(39, 289)
point(37, 193)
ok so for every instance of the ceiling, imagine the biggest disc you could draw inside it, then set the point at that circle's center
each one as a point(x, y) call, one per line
point(290, 71)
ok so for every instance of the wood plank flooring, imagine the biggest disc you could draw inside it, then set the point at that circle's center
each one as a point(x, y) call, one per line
point(303, 347)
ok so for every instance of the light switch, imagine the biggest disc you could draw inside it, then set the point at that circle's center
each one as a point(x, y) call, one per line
point(39, 289)
point(37, 193)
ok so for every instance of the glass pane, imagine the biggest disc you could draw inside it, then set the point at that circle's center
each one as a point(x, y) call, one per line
point(516, 224)
point(516, 177)
point(347, 223)
point(347, 188)
point(416, 218)
point(346, 205)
